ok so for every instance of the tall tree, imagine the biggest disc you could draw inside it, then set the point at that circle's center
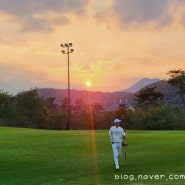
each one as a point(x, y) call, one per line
point(80, 106)
point(177, 79)
point(50, 103)
point(32, 109)
point(7, 107)
point(147, 97)
point(64, 104)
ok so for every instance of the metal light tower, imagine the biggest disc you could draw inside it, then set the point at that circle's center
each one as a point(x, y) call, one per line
point(68, 51)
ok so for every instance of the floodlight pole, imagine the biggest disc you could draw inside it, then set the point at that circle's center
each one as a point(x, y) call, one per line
point(67, 46)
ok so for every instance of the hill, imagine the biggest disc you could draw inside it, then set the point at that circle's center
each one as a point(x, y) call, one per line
point(111, 100)
point(104, 98)
point(170, 93)
point(140, 84)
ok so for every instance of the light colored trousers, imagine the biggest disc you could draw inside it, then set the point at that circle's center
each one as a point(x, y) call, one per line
point(116, 147)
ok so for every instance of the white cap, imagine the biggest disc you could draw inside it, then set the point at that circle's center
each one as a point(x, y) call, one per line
point(117, 121)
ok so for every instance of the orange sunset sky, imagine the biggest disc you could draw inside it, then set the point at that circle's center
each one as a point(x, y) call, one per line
point(116, 42)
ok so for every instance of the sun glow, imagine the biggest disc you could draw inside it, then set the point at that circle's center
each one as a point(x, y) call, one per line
point(88, 84)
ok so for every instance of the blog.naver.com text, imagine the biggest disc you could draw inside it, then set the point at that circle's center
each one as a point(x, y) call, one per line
point(125, 177)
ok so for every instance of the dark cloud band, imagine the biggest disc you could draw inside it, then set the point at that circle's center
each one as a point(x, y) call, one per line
point(142, 11)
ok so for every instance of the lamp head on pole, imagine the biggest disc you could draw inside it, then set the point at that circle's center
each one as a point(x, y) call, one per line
point(71, 50)
point(67, 45)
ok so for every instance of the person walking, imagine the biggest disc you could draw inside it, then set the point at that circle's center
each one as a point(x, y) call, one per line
point(116, 134)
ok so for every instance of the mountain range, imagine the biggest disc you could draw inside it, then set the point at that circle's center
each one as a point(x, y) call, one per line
point(111, 100)
point(105, 98)
point(140, 84)
point(108, 99)
point(5, 87)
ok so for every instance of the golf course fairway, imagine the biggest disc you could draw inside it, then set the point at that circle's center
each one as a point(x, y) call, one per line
point(46, 157)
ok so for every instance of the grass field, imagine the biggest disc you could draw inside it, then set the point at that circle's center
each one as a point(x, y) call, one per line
point(42, 157)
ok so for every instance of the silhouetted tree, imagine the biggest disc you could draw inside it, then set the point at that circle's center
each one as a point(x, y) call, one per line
point(31, 109)
point(147, 97)
point(64, 104)
point(97, 107)
point(7, 107)
point(177, 79)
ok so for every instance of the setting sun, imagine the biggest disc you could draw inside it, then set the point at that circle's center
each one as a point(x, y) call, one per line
point(88, 84)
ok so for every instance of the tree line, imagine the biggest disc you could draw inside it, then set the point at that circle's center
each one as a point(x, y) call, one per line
point(28, 109)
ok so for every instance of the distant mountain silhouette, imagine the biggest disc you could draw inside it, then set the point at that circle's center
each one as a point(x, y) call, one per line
point(111, 100)
point(140, 84)
point(170, 93)
point(106, 99)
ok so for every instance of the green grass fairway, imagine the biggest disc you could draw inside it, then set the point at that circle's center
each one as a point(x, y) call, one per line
point(42, 157)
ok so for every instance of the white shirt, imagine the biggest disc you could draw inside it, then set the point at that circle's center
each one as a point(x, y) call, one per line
point(116, 134)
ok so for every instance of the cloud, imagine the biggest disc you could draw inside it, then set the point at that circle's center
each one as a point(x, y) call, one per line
point(23, 7)
point(143, 11)
point(42, 23)
point(28, 12)
point(181, 1)
point(30, 23)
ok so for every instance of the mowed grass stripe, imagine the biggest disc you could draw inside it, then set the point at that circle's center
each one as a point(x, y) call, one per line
point(44, 157)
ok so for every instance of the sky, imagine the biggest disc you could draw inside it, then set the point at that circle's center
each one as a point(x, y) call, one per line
point(115, 42)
